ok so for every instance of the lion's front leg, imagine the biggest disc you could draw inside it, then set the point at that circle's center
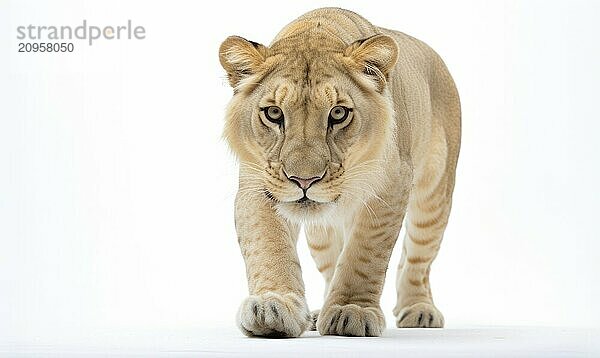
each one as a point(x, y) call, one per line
point(276, 306)
point(352, 305)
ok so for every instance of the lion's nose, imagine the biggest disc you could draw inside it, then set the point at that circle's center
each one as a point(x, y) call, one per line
point(304, 183)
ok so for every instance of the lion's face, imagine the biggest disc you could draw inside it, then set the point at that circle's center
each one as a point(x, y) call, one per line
point(309, 125)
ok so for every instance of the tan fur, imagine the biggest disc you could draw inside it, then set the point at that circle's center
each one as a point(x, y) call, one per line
point(396, 154)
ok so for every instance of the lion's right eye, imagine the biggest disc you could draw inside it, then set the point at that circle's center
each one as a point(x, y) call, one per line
point(274, 114)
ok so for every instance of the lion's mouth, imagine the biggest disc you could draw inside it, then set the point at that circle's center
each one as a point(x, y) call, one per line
point(305, 201)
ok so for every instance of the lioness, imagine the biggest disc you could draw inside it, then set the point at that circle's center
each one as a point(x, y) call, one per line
point(342, 127)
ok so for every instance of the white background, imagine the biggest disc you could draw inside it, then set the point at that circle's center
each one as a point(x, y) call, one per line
point(116, 189)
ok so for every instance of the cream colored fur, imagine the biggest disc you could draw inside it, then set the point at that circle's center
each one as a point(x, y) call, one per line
point(396, 154)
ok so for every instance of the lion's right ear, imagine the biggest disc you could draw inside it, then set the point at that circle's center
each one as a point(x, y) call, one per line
point(240, 58)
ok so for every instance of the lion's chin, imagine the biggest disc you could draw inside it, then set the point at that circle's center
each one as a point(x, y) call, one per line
point(305, 211)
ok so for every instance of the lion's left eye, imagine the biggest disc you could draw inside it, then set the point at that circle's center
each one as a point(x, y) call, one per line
point(338, 114)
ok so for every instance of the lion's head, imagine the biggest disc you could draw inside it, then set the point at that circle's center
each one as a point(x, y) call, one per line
point(310, 119)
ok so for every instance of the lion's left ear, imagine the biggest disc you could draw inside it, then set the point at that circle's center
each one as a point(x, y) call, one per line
point(375, 55)
point(240, 58)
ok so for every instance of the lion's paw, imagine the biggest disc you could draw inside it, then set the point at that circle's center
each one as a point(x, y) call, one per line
point(420, 315)
point(273, 315)
point(314, 316)
point(351, 320)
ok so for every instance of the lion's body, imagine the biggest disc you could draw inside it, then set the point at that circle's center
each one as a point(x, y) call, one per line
point(397, 156)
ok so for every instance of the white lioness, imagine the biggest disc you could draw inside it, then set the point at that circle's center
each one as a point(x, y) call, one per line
point(343, 127)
